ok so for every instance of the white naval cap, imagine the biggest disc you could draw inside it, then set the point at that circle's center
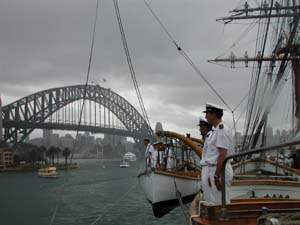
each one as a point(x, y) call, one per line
point(202, 122)
point(213, 108)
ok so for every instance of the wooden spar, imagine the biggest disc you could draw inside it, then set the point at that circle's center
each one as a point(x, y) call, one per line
point(257, 59)
point(277, 15)
point(198, 140)
point(194, 147)
point(263, 9)
point(256, 13)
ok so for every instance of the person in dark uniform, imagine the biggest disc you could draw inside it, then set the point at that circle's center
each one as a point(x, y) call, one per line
point(204, 128)
point(206, 132)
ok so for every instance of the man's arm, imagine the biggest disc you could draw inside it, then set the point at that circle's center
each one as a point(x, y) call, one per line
point(222, 156)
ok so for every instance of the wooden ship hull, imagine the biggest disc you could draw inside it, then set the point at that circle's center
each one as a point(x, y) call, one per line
point(164, 187)
point(160, 188)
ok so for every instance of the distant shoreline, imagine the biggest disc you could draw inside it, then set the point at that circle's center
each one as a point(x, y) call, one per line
point(27, 168)
point(60, 166)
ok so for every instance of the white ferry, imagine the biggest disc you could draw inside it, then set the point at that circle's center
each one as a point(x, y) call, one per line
point(48, 172)
point(129, 156)
point(124, 164)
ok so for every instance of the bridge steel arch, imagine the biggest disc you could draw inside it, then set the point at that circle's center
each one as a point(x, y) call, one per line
point(21, 117)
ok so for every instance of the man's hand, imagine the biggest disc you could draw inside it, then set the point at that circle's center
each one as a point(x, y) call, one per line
point(209, 183)
point(218, 183)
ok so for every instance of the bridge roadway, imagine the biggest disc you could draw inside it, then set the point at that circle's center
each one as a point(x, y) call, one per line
point(73, 127)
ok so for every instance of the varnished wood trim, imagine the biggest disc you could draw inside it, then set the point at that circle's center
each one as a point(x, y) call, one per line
point(266, 182)
point(189, 175)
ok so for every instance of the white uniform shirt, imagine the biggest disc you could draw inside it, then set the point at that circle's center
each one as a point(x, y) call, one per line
point(221, 138)
point(204, 149)
point(153, 156)
point(149, 149)
point(168, 154)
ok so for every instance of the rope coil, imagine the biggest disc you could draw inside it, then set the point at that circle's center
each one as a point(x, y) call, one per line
point(279, 218)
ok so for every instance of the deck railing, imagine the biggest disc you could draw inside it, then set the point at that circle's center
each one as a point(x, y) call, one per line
point(250, 152)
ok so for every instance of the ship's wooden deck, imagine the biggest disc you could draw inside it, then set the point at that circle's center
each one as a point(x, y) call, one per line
point(242, 211)
point(188, 174)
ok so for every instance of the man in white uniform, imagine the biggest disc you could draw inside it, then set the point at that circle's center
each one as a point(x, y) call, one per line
point(206, 132)
point(149, 155)
point(169, 158)
point(219, 146)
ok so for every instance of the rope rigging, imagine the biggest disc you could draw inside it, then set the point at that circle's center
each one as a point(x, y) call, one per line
point(244, 33)
point(87, 80)
point(178, 195)
point(84, 97)
point(135, 82)
point(187, 58)
point(99, 218)
point(265, 87)
point(259, 93)
point(277, 85)
point(53, 215)
point(259, 70)
point(254, 79)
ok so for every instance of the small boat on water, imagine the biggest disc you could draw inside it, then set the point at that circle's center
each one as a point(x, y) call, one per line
point(164, 186)
point(47, 172)
point(124, 164)
point(129, 156)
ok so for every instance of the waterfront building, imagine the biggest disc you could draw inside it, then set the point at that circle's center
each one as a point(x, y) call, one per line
point(86, 142)
point(67, 141)
point(36, 141)
point(54, 140)
point(47, 136)
point(1, 123)
point(6, 156)
point(114, 140)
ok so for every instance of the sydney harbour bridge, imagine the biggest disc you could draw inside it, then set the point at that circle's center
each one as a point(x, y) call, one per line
point(104, 111)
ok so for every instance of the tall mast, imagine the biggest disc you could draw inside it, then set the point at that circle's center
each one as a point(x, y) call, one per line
point(286, 51)
point(296, 71)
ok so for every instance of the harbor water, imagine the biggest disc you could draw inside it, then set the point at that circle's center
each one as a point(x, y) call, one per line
point(98, 192)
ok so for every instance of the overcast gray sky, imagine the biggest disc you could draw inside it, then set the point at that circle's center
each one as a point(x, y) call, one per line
point(46, 44)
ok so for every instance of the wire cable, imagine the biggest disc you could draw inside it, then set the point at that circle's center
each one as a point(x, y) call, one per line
point(135, 82)
point(87, 80)
point(113, 205)
point(187, 58)
point(53, 215)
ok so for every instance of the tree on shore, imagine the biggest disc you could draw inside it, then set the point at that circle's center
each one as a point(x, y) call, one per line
point(29, 153)
point(33, 156)
point(66, 153)
point(50, 153)
point(108, 150)
point(41, 153)
point(57, 151)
